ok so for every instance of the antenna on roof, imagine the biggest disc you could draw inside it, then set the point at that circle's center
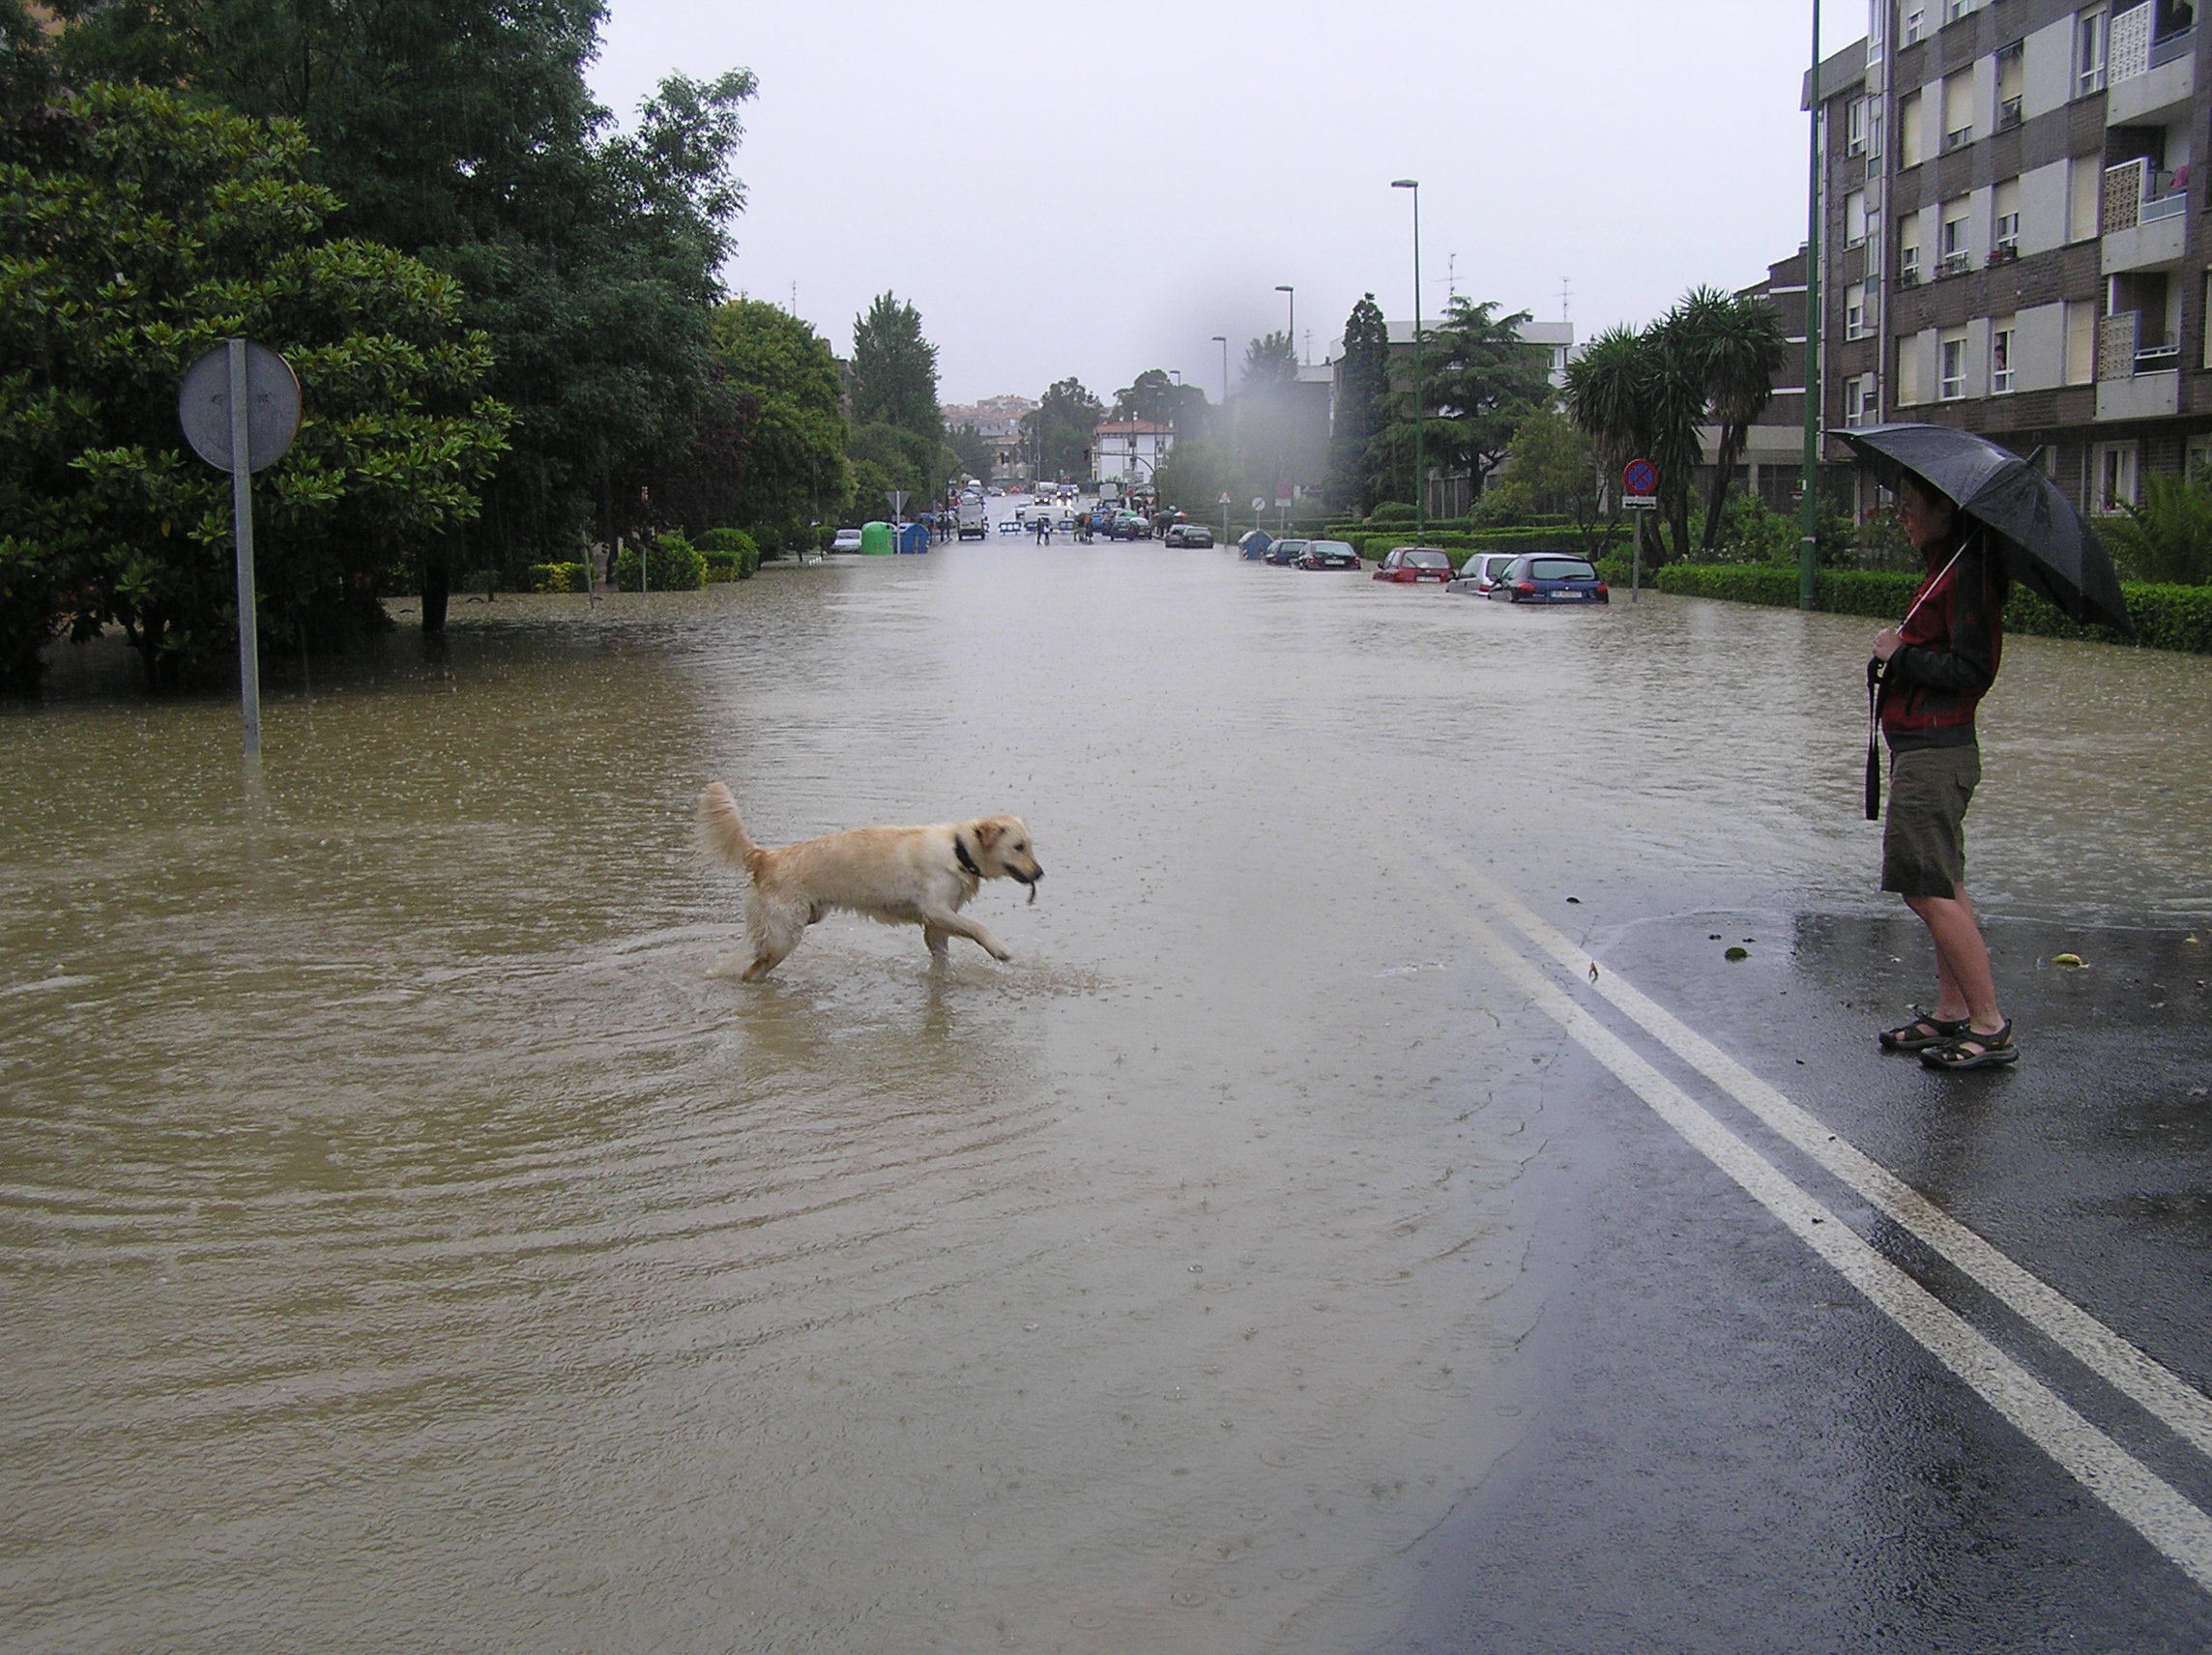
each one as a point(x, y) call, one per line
point(1451, 276)
point(1566, 294)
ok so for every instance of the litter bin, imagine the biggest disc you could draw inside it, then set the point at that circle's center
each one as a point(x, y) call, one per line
point(914, 537)
point(875, 539)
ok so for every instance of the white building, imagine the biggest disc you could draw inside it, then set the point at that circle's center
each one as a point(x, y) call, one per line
point(1128, 451)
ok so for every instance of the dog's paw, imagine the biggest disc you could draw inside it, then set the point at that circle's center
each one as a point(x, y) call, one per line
point(1002, 955)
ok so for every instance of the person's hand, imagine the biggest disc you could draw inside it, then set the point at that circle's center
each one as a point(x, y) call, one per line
point(1886, 643)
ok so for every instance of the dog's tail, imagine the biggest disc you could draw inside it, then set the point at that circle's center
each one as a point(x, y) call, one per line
point(723, 830)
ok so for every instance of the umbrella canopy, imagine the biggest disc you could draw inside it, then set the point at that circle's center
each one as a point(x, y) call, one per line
point(2049, 546)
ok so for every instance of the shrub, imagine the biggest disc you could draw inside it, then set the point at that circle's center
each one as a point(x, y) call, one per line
point(2168, 537)
point(559, 577)
point(672, 564)
point(1390, 512)
point(731, 554)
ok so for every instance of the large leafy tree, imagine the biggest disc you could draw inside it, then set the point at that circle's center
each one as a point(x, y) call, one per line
point(1552, 466)
point(136, 231)
point(1732, 348)
point(1156, 398)
point(1636, 397)
point(1361, 409)
point(970, 449)
point(462, 132)
point(1058, 431)
point(894, 370)
point(1480, 381)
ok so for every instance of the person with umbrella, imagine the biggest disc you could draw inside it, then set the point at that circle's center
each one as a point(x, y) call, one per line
point(1936, 665)
point(1981, 516)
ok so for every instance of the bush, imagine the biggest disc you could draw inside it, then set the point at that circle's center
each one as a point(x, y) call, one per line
point(731, 554)
point(2168, 537)
point(1390, 512)
point(559, 577)
point(672, 564)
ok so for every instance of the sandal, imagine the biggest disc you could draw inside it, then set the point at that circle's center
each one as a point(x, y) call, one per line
point(1972, 1050)
point(1923, 1032)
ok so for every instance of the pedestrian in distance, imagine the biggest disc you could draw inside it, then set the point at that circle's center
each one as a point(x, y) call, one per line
point(1933, 668)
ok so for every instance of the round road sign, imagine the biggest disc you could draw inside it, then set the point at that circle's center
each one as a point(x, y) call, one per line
point(272, 406)
point(1641, 477)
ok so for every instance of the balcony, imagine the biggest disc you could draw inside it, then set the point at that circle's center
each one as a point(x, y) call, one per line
point(2145, 216)
point(2149, 78)
point(2008, 114)
point(2138, 376)
point(1954, 263)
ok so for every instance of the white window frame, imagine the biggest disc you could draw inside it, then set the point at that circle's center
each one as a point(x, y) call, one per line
point(1915, 22)
point(1951, 369)
point(1856, 128)
point(1954, 252)
point(2016, 54)
point(1954, 9)
point(1861, 406)
point(2111, 481)
point(2002, 368)
point(1856, 219)
point(1957, 139)
point(1854, 310)
point(2092, 47)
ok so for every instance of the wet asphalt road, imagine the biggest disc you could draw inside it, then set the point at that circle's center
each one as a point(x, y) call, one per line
point(1733, 1451)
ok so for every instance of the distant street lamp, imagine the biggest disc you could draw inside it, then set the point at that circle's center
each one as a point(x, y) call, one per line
point(1222, 339)
point(1420, 464)
point(1293, 335)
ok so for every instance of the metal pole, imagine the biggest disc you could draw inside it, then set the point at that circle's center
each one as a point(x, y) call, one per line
point(1809, 526)
point(1420, 460)
point(1636, 566)
point(1222, 339)
point(242, 524)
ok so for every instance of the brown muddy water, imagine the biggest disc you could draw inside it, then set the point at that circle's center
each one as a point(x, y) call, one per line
point(407, 1241)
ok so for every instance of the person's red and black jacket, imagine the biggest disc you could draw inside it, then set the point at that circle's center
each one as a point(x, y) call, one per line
point(1953, 644)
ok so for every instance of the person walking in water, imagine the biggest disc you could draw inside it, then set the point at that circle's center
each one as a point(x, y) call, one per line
point(1935, 667)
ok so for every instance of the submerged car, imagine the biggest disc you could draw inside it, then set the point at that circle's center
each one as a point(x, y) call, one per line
point(1547, 578)
point(1188, 535)
point(846, 540)
point(1285, 553)
point(1415, 566)
point(1480, 572)
point(1328, 555)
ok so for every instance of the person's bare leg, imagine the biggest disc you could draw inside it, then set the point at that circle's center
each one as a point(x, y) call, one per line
point(1961, 960)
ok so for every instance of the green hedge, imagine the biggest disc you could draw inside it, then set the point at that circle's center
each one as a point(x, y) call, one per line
point(731, 554)
point(2165, 617)
point(559, 577)
point(675, 565)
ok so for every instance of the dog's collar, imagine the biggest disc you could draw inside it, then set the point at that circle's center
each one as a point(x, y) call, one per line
point(960, 850)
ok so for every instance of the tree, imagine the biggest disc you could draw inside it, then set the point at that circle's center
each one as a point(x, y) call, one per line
point(1197, 472)
point(1552, 467)
point(887, 457)
point(1268, 360)
point(137, 230)
point(1056, 433)
point(971, 449)
point(1158, 399)
point(464, 134)
point(2168, 536)
point(1480, 381)
point(1360, 408)
point(894, 370)
point(1732, 348)
point(1636, 397)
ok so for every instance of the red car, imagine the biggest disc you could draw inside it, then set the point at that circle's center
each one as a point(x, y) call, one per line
point(1415, 566)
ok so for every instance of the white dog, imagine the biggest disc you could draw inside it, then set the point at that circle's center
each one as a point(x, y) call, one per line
point(900, 876)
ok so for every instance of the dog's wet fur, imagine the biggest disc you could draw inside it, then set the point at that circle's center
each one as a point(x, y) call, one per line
point(900, 876)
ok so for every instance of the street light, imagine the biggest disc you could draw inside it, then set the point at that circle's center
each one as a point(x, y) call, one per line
point(1222, 339)
point(1420, 465)
point(1293, 335)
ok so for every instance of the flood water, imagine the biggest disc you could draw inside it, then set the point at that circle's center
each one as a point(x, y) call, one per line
point(409, 1240)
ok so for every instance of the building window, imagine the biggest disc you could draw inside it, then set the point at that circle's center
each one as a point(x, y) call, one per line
point(1855, 127)
point(1860, 405)
point(1854, 311)
point(2001, 356)
point(1957, 112)
point(1954, 9)
point(1915, 21)
point(1908, 381)
point(1951, 383)
point(1909, 250)
point(2011, 70)
point(2080, 342)
point(2089, 53)
point(2111, 478)
point(2004, 221)
point(1854, 219)
point(1911, 124)
point(1954, 250)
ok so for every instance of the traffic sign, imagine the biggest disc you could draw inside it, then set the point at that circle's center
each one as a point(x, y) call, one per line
point(271, 407)
point(1224, 500)
point(1640, 477)
point(1259, 505)
point(1640, 502)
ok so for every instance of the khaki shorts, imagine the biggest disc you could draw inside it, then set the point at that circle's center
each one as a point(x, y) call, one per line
point(1924, 842)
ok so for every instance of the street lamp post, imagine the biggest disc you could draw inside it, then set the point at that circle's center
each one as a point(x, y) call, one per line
point(1222, 339)
point(1420, 462)
point(1809, 505)
point(1291, 337)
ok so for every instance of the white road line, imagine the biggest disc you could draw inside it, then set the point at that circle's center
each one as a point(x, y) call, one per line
point(2133, 1492)
point(2158, 1390)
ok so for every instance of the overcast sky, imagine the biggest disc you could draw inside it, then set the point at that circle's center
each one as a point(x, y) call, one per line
point(1099, 188)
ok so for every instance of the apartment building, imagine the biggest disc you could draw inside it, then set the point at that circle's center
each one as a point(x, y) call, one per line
point(2008, 239)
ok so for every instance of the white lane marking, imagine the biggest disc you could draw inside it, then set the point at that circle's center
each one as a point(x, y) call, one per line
point(2134, 1493)
point(2132, 1372)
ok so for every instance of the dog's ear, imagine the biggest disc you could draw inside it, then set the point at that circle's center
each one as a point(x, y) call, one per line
point(987, 834)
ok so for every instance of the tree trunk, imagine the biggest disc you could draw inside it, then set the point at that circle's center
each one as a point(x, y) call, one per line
point(1724, 474)
point(437, 585)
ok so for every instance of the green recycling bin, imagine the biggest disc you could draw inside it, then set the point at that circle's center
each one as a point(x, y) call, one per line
point(875, 539)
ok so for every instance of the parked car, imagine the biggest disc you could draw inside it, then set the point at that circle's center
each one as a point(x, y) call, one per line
point(1415, 566)
point(1328, 555)
point(846, 540)
point(1540, 577)
point(1480, 572)
point(1189, 534)
point(1128, 526)
point(1284, 553)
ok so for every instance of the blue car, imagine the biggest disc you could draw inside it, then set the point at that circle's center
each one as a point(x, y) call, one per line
point(1545, 577)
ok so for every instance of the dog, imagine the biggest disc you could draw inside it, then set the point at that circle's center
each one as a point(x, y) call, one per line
point(899, 876)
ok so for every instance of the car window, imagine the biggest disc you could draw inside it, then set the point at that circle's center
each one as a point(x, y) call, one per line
point(1428, 559)
point(1335, 548)
point(1497, 564)
point(1563, 569)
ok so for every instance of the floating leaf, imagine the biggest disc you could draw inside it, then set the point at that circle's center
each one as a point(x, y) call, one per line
point(2072, 961)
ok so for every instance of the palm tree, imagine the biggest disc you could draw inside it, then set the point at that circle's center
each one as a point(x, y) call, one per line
point(1732, 348)
point(1636, 395)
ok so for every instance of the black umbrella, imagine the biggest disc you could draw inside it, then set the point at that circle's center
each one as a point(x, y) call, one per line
point(2049, 547)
